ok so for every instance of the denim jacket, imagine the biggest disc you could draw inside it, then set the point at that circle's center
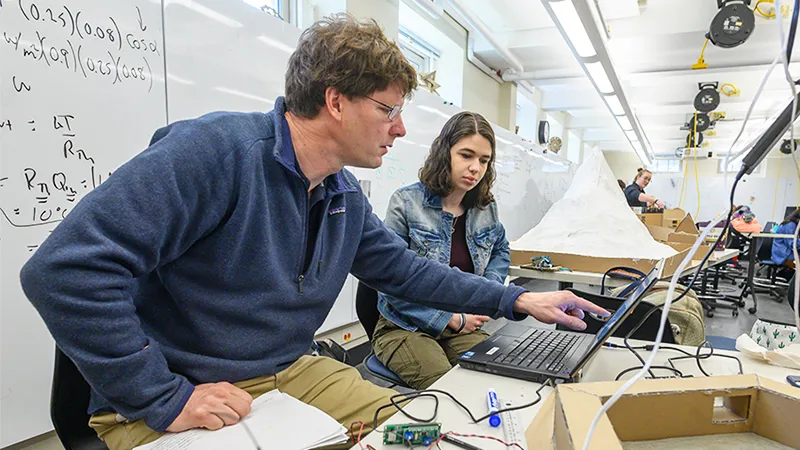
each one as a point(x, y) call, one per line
point(416, 215)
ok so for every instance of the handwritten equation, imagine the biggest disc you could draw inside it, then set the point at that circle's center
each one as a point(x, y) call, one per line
point(67, 48)
point(52, 193)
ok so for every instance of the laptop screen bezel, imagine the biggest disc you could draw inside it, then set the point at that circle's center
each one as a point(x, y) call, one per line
point(592, 350)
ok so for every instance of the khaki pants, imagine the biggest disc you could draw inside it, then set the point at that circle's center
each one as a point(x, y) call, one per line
point(418, 358)
point(329, 385)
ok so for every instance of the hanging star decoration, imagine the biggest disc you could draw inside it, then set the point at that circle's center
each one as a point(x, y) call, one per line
point(428, 81)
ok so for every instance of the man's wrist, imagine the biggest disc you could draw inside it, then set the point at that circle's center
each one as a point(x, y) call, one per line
point(463, 323)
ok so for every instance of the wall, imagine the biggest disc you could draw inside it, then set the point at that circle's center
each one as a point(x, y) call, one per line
point(767, 192)
point(480, 93)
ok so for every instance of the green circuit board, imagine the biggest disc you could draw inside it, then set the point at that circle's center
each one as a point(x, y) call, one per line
point(411, 433)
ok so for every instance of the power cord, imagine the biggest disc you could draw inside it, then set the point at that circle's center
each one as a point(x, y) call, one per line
point(403, 398)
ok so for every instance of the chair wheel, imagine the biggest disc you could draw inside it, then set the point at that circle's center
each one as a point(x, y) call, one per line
point(710, 313)
point(735, 313)
point(752, 310)
point(745, 295)
point(741, 304)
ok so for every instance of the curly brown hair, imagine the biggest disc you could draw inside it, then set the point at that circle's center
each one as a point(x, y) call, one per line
point(435, 173)
point(355, 57)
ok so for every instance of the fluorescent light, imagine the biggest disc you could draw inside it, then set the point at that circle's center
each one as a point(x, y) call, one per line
point(573, 27)
point(244, 94)
point(614, 104)
point(277, 44)
point(598, 74)
point(624, 123)
point(208, 12)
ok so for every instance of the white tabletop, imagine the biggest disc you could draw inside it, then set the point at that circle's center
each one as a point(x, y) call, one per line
point(470, 387)
point(595, 278)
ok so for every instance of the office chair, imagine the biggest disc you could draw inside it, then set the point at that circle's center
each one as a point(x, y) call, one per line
point(772, 283)
point(69, 401)
point(368, 315)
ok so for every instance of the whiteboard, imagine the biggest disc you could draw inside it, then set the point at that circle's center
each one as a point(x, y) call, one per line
point(81, 89)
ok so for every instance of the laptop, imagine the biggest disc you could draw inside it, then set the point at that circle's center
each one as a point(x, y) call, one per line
point(536, 354)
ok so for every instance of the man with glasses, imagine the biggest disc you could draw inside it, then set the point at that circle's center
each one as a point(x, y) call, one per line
point(194, 278)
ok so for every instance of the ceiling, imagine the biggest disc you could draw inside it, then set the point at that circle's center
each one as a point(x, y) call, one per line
point(652, 44)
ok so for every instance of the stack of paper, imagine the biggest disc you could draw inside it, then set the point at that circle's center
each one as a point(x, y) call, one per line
point(276, 420)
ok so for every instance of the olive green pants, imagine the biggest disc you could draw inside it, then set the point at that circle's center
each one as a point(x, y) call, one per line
point(327, 384)
point(416, 357)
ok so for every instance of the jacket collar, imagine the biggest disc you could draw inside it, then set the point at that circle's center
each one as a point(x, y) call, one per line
point(431, 200)
point(284, 153)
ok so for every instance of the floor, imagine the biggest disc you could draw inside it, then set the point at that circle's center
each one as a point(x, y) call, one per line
point(722, 324)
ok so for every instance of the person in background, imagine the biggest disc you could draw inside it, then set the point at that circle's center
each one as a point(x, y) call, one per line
point(744, 221)
point(621, 184)
point(635, 194)
point(450, 216)
point(194, 278)
point(782, 248)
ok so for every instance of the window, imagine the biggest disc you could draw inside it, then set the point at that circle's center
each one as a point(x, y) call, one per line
point(419, 53)
point(735, 166)
point(665, 166)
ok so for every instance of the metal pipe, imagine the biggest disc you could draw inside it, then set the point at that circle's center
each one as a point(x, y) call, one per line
point(476, 24)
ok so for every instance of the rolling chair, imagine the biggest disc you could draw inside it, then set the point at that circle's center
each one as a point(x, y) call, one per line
point(69, 401)
point(368, 315)
point(772, 283)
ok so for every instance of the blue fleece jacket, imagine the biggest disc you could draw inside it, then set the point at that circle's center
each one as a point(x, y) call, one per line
point(184, 267)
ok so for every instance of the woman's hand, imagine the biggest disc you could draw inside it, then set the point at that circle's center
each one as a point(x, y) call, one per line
point(472, 323)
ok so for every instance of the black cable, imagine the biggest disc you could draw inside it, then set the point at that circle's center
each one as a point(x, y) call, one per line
point(627, 269)
point(631, 369)
point(430, 393)
point(686, 290)
point(792, 31)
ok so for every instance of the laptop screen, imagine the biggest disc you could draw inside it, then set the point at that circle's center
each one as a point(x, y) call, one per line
point(626, 307)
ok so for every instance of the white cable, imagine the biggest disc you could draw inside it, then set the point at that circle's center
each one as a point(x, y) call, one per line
point(790, 80)
point(670, 292)
point(730, 154)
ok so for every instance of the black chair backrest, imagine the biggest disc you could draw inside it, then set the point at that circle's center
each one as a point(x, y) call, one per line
point(367, 308)
point(69, 401)
point(648, 330)
point(764, 250)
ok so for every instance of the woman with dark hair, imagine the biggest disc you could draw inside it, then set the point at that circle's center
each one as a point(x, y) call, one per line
point(782, 248)
point(449, 216)
point(635, 195)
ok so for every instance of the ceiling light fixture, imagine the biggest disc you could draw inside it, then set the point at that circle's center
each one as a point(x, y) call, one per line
point(598, 74)
point(573, 27)
point(577, 21)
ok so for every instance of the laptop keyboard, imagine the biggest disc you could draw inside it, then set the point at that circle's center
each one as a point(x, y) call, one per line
point(540, 349)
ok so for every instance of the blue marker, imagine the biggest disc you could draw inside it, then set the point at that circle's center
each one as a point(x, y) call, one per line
point(493, 404)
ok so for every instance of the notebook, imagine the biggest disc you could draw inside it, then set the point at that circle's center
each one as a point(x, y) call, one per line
point(276, 420)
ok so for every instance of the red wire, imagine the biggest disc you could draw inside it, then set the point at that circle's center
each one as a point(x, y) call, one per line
point(451, 433)
point(360, 431)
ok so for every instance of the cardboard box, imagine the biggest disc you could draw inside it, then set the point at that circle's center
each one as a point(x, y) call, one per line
point(581, 263)
point(681, 238)
point(670, 218)
point(655, 410)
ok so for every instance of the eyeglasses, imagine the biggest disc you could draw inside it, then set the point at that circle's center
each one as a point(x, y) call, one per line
point(393, 111)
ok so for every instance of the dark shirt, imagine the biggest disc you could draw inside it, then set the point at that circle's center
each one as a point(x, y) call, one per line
point(459, 253)
point(632, 195)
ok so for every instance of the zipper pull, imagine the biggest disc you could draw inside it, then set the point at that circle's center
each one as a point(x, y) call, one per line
point(300, 283)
